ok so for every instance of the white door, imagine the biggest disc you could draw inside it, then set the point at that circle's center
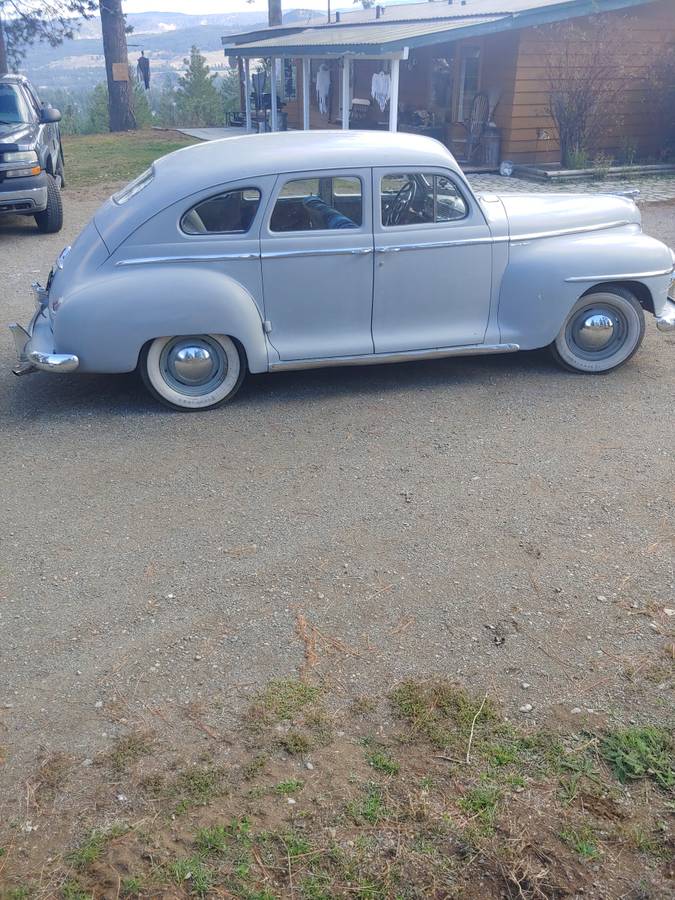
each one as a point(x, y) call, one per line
point(433, 262)
point(317, 264)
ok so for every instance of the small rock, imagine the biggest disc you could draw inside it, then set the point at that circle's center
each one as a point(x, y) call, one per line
point(87, 762)
point(669, 612)
point(78, 672)
point(525, 685)
point(526, 708)
point(98, 704)
point(309, 765)
point(601, 598)
point(290, 801)
point(197, 657)
point(122, 798)
point(576, 710)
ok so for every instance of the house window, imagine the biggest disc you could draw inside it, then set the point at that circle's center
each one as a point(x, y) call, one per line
point(318, 204)
point(469, 79)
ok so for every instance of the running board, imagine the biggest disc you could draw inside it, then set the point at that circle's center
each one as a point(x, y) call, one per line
point(372, 359)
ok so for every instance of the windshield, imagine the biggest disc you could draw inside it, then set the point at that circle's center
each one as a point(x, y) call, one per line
point(13, 105)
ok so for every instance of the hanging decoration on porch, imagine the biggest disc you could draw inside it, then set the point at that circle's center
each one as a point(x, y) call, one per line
point(380, 89)
point(323, 88)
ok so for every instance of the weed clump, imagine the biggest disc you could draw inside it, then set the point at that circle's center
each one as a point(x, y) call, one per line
point(635, 753)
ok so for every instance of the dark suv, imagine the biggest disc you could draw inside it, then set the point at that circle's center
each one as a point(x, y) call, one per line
point(31, 156)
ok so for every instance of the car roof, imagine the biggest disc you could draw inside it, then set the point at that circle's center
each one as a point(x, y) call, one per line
point(12, 78)
point(246, 156)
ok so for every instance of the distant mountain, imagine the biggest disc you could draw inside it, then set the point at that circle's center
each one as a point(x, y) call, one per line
point(166, 38)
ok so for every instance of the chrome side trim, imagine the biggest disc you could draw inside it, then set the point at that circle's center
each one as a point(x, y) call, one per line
point(405, 356)
point(340, 251)
point(512, 239)
point(584, 278)
point(204, 257)
point(581, 229)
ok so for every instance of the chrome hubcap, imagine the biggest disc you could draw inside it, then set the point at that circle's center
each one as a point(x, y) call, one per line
point(194, 365)
point(191, 365)
point(595, 331)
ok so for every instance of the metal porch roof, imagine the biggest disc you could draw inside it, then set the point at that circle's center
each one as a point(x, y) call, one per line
point(411, 25)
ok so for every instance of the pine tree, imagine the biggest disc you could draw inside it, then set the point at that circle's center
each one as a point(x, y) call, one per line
point(197, 99)
point(23, 22)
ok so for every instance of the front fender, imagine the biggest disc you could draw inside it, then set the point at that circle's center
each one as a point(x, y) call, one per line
point(546, 276)
point(107, 321)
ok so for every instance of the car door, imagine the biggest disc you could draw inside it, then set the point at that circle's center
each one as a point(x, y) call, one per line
point(433, 262)
point(317, 263)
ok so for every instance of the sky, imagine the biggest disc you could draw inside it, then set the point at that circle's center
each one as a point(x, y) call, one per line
point(198, 7)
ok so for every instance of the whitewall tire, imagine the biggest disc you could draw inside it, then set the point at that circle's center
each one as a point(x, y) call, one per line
point(192, 372)
point(602, 331)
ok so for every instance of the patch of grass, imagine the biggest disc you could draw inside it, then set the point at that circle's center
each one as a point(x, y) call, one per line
point(212, 840)
point(361, 706)
point(635, 753)
point(131, 886)
point(93, 845)
point(71, 889)
point(296, 743)
point(197, 786)
point(284, 699)
point(109, 158)
point(439, 711)
point(582, 840)
point(382, 762)
point(127, 750)
point(294, 844)
point(17, 893)
point(192, 873)
point(255, 766)
point(288, 787)
point(648, 842)
point(481, 803)
point(371, 807)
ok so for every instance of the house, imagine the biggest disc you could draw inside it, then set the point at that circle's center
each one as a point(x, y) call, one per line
point(449, 67)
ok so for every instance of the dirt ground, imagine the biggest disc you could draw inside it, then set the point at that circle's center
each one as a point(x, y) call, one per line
point(493, 521)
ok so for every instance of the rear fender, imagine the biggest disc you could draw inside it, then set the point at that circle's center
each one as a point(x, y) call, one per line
point(107, 321)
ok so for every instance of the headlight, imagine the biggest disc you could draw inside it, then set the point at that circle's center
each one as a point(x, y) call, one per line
point(24, 156)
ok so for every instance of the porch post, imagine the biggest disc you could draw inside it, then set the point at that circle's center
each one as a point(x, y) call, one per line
point(306, 77)
point(273, 94)
point(346, 105)
point(247, 93)
point(393, 97)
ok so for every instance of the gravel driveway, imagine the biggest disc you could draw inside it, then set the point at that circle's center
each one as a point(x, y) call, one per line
point(493, 520)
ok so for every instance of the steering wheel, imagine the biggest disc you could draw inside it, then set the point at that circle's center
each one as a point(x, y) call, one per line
point(401, 203)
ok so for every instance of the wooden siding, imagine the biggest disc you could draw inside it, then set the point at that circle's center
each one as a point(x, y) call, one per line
point(651, 27)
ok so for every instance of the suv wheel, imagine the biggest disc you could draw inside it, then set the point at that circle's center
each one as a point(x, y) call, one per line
point(50, 220)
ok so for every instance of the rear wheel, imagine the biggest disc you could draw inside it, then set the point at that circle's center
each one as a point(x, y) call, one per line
point(603, 330)
point(192, 372)
point(50, 220)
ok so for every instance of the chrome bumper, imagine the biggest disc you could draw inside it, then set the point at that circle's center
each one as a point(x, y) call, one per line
point(666, 322)
point(34, 345)
point(25, 200)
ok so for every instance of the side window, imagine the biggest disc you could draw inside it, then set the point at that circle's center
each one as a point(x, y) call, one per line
point(231, 212)
point(319, 204)
point(419, 198)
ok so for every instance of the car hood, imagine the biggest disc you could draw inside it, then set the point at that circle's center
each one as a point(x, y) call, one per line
point(21, 136)
point(532, 214)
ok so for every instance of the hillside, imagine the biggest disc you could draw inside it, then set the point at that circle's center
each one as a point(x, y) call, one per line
point(165, 37)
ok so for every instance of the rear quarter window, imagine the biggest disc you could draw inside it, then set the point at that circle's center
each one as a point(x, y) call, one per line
point(231, 212)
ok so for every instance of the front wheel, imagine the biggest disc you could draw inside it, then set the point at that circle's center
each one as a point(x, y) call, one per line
point(192, 372)
point(603, 330)
point(50, 220)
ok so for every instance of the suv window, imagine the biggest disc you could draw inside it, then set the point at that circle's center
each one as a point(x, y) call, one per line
point(231, 212)
point(414, 198)
point(13, 105)
point(319, 204)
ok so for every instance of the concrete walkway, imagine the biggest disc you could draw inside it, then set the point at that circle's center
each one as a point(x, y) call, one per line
point(652, 190)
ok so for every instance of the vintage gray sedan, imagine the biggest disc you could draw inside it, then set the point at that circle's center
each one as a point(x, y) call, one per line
point(296, 250)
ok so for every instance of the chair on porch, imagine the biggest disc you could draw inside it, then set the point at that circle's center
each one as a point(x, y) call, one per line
point(475, 127)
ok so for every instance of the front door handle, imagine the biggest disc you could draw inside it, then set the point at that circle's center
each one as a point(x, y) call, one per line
point(388, 249)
